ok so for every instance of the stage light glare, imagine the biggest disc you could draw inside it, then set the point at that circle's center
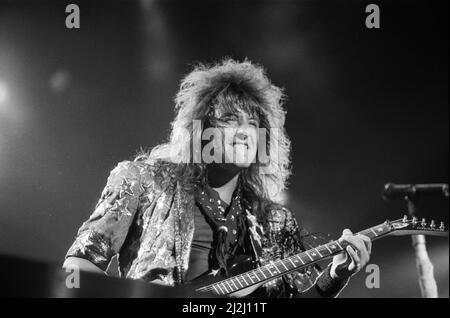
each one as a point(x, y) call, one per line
point(282, 197)
point(3, 92)
point(59, 81)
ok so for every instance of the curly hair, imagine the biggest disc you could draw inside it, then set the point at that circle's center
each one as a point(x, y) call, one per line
point(242, 85)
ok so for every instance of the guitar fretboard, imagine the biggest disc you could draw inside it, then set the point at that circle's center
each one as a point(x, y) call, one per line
point(287, 265)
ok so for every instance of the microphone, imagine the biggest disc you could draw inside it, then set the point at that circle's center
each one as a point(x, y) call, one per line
point(394, 191)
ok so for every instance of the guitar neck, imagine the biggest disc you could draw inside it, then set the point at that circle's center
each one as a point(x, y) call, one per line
point(281, 267)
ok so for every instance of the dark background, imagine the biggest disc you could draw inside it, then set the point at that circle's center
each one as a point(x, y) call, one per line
point(365, 106)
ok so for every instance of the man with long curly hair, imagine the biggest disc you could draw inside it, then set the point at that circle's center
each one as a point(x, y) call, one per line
point(206, 200)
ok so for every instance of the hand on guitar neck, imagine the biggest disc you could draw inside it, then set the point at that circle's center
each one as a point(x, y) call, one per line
point(354, 258)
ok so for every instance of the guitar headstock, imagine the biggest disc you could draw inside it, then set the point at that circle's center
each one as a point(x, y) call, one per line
point(414, 226)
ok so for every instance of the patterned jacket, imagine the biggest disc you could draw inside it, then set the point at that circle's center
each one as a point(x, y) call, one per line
point(144, 215)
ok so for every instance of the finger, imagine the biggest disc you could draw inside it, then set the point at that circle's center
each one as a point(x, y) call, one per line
point(355, 264)
point(345, 234)
point(353, 254)
point(367, 242)
point(356, 242)
point(360, 247)
point(347, 260)
point(361, 243)
point(365, 249)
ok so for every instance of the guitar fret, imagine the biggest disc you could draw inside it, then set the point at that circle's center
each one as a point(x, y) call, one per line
point(338, 245)
point(326, 245)
point(309, 256)
point(215, 289)
point(250, 278)
point(221, 291)
point(244, 283)
point(229, 285)
point(293, 264)
point(318, 252)
point(255, 276)
point(224, 287)
point(269, 273)
point(261, 271)
point(232, 281)
point(275, 266)
point(298, 257)
point(241, 281)
point(325, 250)
point(284, 265)
point(375, 233)
point(333, 246)
point(256, 273)
point(269, 269)
point(237, 279)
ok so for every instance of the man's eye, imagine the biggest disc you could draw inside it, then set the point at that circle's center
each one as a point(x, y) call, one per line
point(228, 119)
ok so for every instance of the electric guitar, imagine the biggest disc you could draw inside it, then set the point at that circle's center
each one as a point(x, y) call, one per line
point(245, 278)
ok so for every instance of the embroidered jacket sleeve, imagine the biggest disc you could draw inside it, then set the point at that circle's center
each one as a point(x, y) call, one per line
point(103, 234)
point(313, 281)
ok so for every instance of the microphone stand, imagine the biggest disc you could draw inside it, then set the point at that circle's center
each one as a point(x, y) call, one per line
point(425, 269)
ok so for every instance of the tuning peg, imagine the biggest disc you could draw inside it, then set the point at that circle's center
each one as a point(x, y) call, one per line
point(424, 222)
point(442, 226)
point(414, 220)
point(432, 224)
point(405, 218)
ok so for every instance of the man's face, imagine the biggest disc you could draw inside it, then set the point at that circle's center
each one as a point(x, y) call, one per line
point(239, 132)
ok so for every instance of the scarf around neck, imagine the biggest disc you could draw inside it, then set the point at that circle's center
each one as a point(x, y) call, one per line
point(227, 221)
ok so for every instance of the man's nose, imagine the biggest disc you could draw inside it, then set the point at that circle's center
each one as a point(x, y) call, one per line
point(242, 131)
point(241, 134)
